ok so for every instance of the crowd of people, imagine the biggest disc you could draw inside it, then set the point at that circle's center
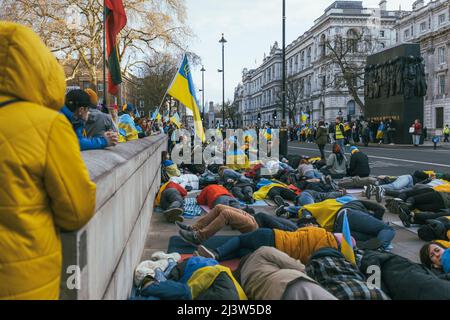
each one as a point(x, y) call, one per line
point(296, 251)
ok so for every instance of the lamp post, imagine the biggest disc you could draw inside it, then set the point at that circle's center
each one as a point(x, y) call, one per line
point(223, 41)
point(283, 131)
point(203, 94)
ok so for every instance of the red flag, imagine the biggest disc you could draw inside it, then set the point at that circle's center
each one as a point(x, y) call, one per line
point(116, 20)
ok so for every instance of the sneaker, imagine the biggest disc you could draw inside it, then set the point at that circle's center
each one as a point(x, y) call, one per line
point(249, 210)
point(279, 201)
point(189, 237)
point(183, 226)
point(394, 206)
point(207, 253)
point(368, 190)
point(379, 194)
point(405, 216)
point(173, 215)
point(387, 248)
point(280, 211)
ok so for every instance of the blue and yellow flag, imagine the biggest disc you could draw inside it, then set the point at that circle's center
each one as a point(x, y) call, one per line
point(175, 119)
point(183, 89)
point(347, 243)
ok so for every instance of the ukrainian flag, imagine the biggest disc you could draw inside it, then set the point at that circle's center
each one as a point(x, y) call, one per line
point(347, 244)
point(183, 89)
point(175, 119)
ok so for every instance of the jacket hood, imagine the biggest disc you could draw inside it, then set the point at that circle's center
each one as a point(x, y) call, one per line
point(28, 70)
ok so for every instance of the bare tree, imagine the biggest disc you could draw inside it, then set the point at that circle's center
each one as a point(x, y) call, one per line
point(73, 30)
point(346, 56)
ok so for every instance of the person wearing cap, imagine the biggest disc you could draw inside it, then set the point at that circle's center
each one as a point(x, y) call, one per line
point(76, 110)
point(126, 123)
point(359, 164)
point(98, 123)
point(45, 184)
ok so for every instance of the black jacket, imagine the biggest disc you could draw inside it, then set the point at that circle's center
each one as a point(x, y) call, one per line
point(359, 165)
point(403, 279)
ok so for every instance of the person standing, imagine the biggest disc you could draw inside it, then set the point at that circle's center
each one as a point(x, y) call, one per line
point(417, 131)
point(321, 138)
point(339, 132)
point(331, 131)
point(391, 131)
point(45, 183)
point(446, 133)
point(380, 132)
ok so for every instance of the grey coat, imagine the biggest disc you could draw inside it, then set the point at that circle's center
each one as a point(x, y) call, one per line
point(98, 123)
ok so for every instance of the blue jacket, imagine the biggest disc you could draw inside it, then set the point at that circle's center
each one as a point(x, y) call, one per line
point(78, 126)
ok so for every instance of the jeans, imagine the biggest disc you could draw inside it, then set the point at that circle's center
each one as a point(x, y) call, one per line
point(269, 221)
point(171, 199)
point(244, 244)
point(402, 182)
point(313, 174)
point(228, 201)
point(416, 139)
point(311, 196)
point(321, 149)
point(364, 226)
point(340, 143)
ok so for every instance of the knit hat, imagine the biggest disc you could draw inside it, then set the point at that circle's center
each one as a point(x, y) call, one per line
point(76, 99)
point(355, 149)
point(93, 96)
point(433, 230)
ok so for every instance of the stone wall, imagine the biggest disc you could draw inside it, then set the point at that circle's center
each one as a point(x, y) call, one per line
point(109, 247)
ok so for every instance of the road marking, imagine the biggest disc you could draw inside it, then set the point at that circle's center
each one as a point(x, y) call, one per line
point(386, 158)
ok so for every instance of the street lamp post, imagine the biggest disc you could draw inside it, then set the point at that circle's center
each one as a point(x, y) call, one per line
point(283, 131)
point(223, 41)
point(203, 94)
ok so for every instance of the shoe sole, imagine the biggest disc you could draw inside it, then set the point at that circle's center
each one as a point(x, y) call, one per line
point(192, 243)
point(279, 201)
point(204, 252)
point(174, 215)
point(404, 217)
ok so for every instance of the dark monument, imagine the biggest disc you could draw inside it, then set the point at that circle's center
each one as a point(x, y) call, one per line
point(394, 86)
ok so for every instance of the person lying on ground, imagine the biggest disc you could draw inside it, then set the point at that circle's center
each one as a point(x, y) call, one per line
point(269, 274)
point(300, 244)
point(425, 199)
point(215, 194)
point(434, 226)
point(241, 190)
point(340, 277)
point(431, 255)
point(364, 217)
point(307, 170)
point(403, 279)
point(404, 184)
point(171, 199)
point(274, 190)
point(242, 220)
point(336, 165)
point(357, 182)
point(359, 164)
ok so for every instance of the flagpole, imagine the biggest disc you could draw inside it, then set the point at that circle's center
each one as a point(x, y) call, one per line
point(171, 82)
point(105, 94)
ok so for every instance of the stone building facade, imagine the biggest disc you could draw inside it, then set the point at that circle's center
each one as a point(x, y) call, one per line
point(309, 62)
point(429, 25)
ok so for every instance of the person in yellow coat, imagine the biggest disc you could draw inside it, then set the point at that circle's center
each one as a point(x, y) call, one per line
point(45, 184)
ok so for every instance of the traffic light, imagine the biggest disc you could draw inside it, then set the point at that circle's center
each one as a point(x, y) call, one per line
point(275, 114)
point(259, 116)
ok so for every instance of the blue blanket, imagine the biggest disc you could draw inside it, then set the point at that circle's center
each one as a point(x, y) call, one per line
point(191, 208)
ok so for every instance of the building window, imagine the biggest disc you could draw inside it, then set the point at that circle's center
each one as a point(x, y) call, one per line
point(406, 34)
point(382, 34)
point(351, 108)
point(441, 19)
point(382, 45)
point(441, 53)
point(442, 84)
point(423, 26)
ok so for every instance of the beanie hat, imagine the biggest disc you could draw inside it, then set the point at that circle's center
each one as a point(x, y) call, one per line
point(93, 96)
point(353, 149)
point(76, 99)
point(420, 175)
point(433, 230)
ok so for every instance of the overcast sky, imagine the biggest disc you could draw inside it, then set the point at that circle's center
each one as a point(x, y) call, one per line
point(250, 27)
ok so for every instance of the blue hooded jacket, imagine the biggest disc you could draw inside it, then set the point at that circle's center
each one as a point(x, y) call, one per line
point(78, 126)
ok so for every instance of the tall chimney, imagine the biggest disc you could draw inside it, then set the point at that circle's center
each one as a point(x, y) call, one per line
point(383, 5)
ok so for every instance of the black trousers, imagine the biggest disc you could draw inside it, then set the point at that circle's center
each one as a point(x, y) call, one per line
point(269, 221)
point(422, 217)
point(242, 193)
point(285, 193)
point(321, 149)
point(425, 199)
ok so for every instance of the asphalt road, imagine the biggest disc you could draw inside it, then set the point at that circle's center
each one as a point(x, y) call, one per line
point(390, 160)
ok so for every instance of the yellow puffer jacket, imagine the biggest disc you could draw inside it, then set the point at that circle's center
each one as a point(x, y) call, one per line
point(301, 244)
point(45, 184)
